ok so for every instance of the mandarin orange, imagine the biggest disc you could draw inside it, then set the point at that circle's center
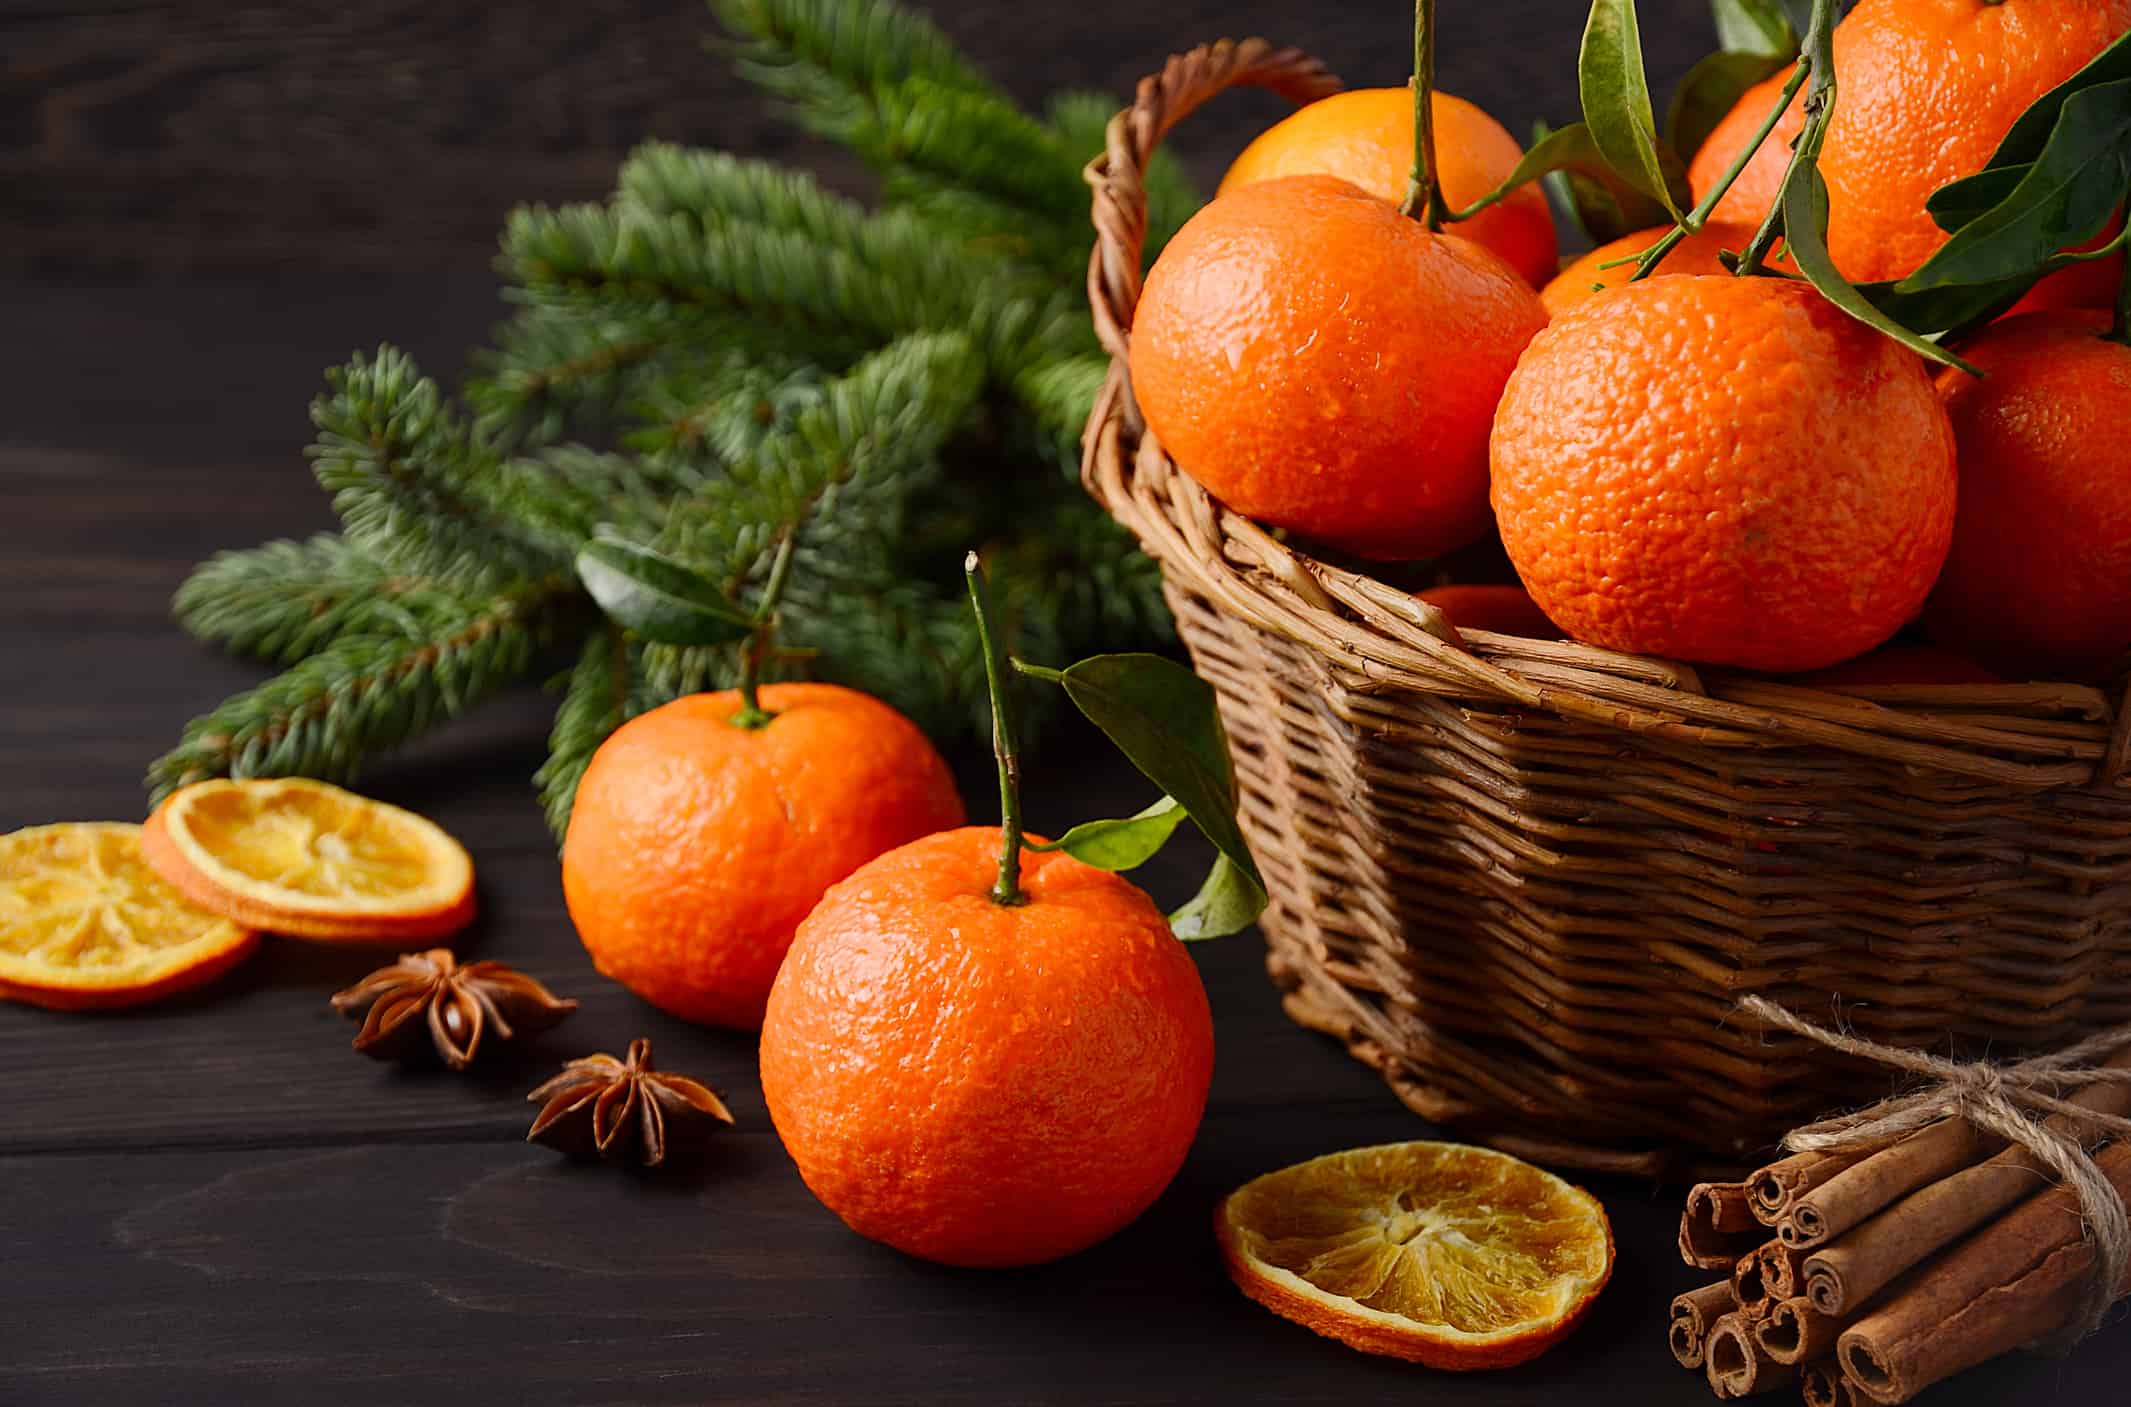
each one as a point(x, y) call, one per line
point(1694, 254)
point(1926, 91)
point(1725, 470)
point(980, 1083)
point(1365, 136)
point(697, 845)
point(2038, 584)
point(1499, 610)
point(1322, 363)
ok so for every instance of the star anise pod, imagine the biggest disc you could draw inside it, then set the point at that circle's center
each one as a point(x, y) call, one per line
point(622, 1108)
point(428, 1001)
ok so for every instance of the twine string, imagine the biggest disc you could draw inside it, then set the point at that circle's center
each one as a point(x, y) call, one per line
point(2008, 1100)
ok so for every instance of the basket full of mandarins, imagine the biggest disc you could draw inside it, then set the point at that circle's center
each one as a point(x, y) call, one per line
point(1741, 609)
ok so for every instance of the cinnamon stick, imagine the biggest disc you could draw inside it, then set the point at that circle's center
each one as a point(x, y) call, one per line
point(1772, 1191)
point(1794, 1332)
point(1749, 1285)
point(1823, 1385)
point(1824, 1213)
point(1718, 1225)
point(1782, 1270)
point(1692, 1314)
point(2017, 1281)
point(1738, 1366)
point(1840, 1278)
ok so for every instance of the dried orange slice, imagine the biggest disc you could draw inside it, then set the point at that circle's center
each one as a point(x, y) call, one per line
point(1438, 1253)
point(84, 923)
point(301, 857)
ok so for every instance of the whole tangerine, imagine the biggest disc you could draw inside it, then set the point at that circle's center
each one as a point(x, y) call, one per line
point(1322, 363)
point(1726, 470)
point(1365, 135)
point(1694, 254)
point(1926, 90)
point(697, 844)
point(2038, 585)
point(980, 1083)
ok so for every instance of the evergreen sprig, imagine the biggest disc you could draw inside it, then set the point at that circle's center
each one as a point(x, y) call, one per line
point(720, 356)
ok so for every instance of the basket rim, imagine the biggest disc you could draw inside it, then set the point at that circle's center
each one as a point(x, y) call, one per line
point(1382, 640)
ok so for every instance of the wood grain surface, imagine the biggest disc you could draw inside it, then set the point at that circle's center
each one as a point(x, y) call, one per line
point(396, 133)
point(216, 1201)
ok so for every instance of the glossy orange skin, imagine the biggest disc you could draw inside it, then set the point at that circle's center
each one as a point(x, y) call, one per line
point(1501, 610)
point(1723, 470)
point(1365, 135)
point(1694, 254)
point(2038, 585)
point(1322, 363)
point(1926, 91)
point(985, 1085)
point(696, 847)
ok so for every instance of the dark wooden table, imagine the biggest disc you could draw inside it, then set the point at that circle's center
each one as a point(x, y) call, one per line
point(215, 1201)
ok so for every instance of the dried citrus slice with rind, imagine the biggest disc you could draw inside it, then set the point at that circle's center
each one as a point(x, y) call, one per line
point(85, 923)
point(1439, 1253)
point(311, 860)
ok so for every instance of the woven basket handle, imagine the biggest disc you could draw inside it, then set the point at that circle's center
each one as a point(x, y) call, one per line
point(1165, 99)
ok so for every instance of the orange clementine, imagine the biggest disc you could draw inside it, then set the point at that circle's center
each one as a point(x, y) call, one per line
point(1365, 136)
point(1500, 610)
point(1456, 1257)
point(1902, 664)
point(697, 845)
point(2038, 585)
point(1761, 182)
point(1926, 91)
point(984, 1084)
point(1694, 254)
point(1324, 364)
point(1726, 470)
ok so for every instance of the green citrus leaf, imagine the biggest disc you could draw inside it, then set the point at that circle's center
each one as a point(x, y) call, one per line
point(1604, 204)
point(1122, 844)
point(1616, 106)
point(2067, 194)
point(1162, 717)
point(1754, 27)
point(1805, 234)
point(2029, 135)
point(1948, 313)
point(1228, 902)
point(1711, 89)
point(656, 596)
point(1957, 202)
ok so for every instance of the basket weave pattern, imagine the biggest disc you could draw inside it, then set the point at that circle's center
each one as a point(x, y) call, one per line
point(1528, 880)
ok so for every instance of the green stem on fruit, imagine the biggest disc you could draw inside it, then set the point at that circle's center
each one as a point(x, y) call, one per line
point(1424, 196)
point(1005, 750)
point(1817, 56)
point(761, 640)
point(1696, 219)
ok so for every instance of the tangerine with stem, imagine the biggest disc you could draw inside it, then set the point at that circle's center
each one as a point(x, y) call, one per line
point(983, 1054)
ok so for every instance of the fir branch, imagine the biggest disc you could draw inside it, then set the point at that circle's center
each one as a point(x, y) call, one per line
point(723, 410)
point(1057, 396)
point(711, 188)
point(552, 368)
point(826, 57)
point(412, 485)
point(365, 693)
point(285, 600)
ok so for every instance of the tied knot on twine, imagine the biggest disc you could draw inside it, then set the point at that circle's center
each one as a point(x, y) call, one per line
point(2009, 1100)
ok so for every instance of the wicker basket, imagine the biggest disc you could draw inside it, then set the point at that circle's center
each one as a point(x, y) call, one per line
point(1528, 880)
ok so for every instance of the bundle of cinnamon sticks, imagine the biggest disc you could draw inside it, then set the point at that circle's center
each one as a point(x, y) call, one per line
point(1864, 1276)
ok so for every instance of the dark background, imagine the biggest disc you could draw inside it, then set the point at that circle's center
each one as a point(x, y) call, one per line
point(203, 205)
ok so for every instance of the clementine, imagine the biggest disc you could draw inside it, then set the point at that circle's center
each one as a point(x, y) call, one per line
point(983, 1083)
point(1726, 470)
point(1365, 135)
point(1323, 363)
point(1902, 665)
point(1926, 91)
point(1694, 254)
point(2038, 584)
point(697, 844)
